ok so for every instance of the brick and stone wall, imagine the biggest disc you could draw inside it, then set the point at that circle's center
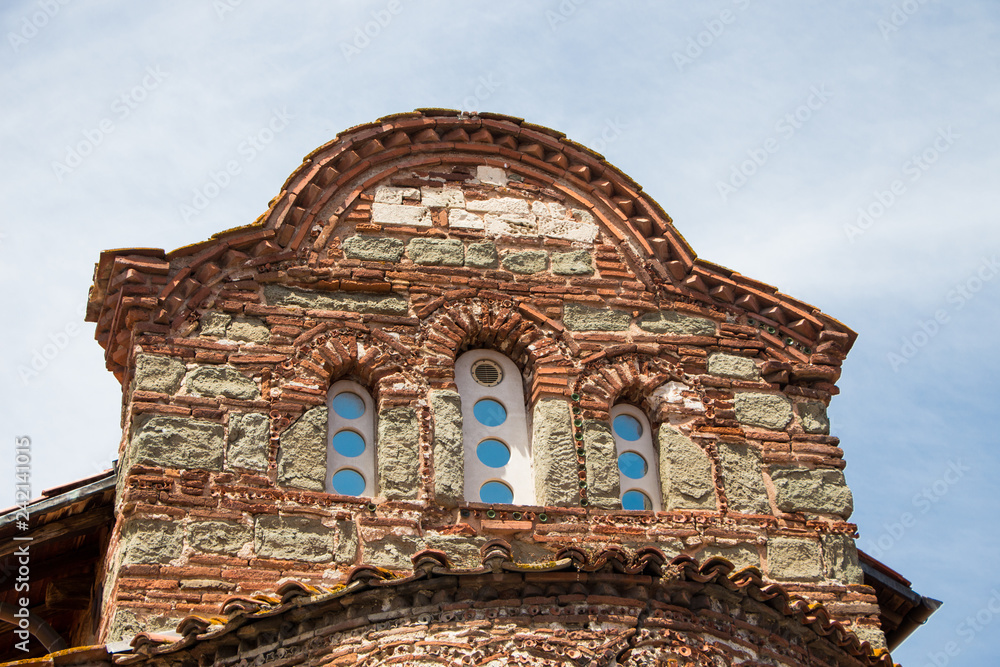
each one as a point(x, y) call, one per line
point(384, 274)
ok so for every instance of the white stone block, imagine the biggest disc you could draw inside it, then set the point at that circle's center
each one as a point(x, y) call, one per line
point(442, 197)
point(491, 175)
point(510, 224)
point(461, 218)
point(390, 195)
point(500, 205)
point(401, 214)
point(566, 229)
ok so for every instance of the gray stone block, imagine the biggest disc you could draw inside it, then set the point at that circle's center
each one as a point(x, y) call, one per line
point(126, 624)
point(214, 324)
point(392, 551)
point(740, 555)
point(436, 252)
point(151, 541)
point(772, 411)
point(373, 248)
point(178, 442)
point(302, 452)
point(249, 441)
point(554, 454)
point(874, 636)
point(732, 366)
point(840, 559)
point(225, 381)
point(157, 373)
point(819, 491)
point(812, 415)
point(574, 263)
point(346, 540)
point(449, 452)
point(482, 255)
point(742, 478)
point(677, 324)
point(249, 329)
point(585, 318)
point(398, 462)
point(793, 559)
point(219, 537)
point(462, 550)
point(603, 488)
point(686, 480)
point(526, 261)
point(299, 538)
point(278, 295)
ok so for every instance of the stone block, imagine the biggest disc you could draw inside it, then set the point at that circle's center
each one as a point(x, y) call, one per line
point(526, 261)
point(556, 221)
point(302, 452)
point(401, 214)
point(482, 255)
point(449, 453)
point(442, 197)
point(742, 478)
point(346, 539)
point(874, 636)
point(554, 454)
point(219, 537)
point(249, 441)
point(398, 462)
point(436, 252)
point(225, 381)
point(301, 538)
point(388, 194)
point(676, 324)
point(732, 366)
point(603, 489)
point(574, 263)
point(373, 248)
point(151, 541)
point(740, 555)
point(501, 206)
point(214, 324)
point(585, 318)
point(392, 552)
point(793, 559)
point(462, 550)
point(278, 295)
point(812, 416)
point(158, 373)
point(462, 219)
point(178, 442)
point(126, 623)
point(509, 224)
point(686, 480)
point(840, 559)
point(819, 491)
point(771, 411)
point(491, 175)
point(248, 329)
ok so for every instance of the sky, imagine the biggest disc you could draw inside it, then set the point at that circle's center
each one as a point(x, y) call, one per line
point(845, 152)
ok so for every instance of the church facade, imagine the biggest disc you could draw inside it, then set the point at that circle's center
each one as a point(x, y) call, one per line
point(464, 396)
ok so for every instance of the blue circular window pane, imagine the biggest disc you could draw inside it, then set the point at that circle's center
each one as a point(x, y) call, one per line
point(493, 453)
point(627, 427)
point(348, 482)
point(348, 405)
point(490, 412)
point(636, 500)
point(348, 443)
point(496, 492)
point(632, 465)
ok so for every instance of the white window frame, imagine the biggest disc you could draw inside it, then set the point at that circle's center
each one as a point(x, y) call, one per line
point(517, 473)
point(649, 484)
point(363, 426)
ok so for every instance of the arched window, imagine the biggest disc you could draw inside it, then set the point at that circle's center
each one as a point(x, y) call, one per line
point(637, 469)
point(350, 446)
point(494, 429)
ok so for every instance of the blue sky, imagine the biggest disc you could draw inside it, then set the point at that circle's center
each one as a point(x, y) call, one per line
point(845, 152)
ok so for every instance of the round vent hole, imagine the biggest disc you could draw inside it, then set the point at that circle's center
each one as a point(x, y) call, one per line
point(487, 373)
